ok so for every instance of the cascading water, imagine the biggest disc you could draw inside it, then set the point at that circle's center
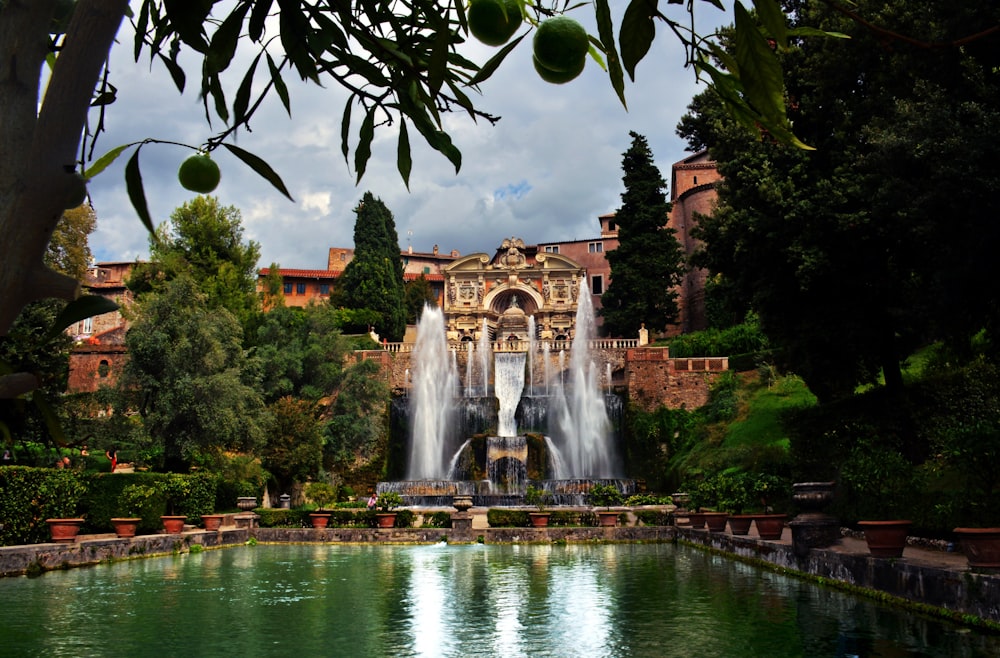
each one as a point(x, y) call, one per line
point(532, 349)
point(434, 384)
point(485, 352)
point(581, 433)
point(508, 382)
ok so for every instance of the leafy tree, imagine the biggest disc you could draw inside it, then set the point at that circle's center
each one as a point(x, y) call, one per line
point(357, 435)
point(400, 63)
point(882, 239)
point(418, 293)
point(205, 240)
point(299, 352)
point(294, 448)
point(374, 277)
point(188, 377)
point(69, 250)
point(648, 263)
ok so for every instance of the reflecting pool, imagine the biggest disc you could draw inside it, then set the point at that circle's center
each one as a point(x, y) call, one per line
point(441, 600)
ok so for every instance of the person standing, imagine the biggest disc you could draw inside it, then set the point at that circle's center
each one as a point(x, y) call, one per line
point(112, 456)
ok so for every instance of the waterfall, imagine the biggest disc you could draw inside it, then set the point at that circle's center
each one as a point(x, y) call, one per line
point(434, 385)
point(532, 347)
point(468, 368)
point(545, 365)
point(508, 383)
point(485, 351)
point(582, 430)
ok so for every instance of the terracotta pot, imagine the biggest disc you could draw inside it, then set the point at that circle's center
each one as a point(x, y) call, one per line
point(769, 526)
point(125, 527)
point(981, 546)
point(716, 521)
point(212, 522)
point(64, 530)
point(885, 538)
point(739, 524)
point(696, 520)
point(386, 519)
point(539, 519)
point(607, 519)
point(319, 519)
point(173, 525)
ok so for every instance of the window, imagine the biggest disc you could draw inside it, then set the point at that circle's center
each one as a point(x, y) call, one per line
point(695, 180)
point(597, 284)
point(595, 247)
point(300, 288)
point(288, 288)
point(88, 325)
point(612, 227)
point(103, 368)
point(552, 249)
point(427, 270)
point(324, 288)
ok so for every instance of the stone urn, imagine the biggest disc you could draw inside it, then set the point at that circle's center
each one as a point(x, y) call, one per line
point(246, 503)
point(462, 503)
point(813, 527)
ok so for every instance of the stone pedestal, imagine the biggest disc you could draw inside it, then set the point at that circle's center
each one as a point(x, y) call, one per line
point(248, 520)
point(461, 526)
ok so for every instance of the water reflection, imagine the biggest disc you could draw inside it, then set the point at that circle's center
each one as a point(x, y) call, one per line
point(574, 601)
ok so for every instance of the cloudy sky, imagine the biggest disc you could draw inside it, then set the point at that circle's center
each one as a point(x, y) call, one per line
point(544, 173)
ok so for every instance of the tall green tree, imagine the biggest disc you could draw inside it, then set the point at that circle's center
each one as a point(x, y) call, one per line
point(188, 376)
point(204, 240)
point(294, 448)
point(374, 277)
point(357, 436)
point(418, 294)
point(648, 263)
point(883, 238)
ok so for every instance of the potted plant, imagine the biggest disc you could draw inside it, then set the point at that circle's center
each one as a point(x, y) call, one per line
point(64, 530)
point(605, 495)
point(387, 502)
point(540, 498)
point(736, 498)
point(766, 490)
point(323, 494)
point(981, 547)
point(879, 479)
point(176, 488)
point(133, 501)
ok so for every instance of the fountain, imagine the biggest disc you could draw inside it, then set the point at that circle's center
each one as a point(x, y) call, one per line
point(464, 442)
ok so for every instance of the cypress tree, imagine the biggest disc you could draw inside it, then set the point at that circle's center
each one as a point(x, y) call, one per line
point(374, 278)
point(648, 263)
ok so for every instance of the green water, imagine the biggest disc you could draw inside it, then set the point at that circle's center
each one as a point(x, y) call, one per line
point(575, 601)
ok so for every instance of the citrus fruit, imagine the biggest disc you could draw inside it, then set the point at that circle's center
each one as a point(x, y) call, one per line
point(558, 77)
point(199, 173)
point(560, 44)
point(494, 22)
point(77, 192)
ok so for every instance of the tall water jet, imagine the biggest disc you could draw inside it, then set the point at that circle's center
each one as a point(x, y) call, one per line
point(532, 348)
point(434, 384)
point(485, 352)
point(582, 430)
point(468, 368)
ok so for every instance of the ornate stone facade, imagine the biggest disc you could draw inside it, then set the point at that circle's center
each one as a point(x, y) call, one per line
point(518, 282)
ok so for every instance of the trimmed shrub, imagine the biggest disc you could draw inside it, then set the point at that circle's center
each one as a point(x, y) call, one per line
point(282, 518)
point(438, 520)
point(508, 518)
point(29, 495)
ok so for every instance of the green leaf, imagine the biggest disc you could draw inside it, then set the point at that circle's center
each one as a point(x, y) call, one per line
point(605, 29)
point(261, 167)
point(85, 306)
point(104, 161)
point(242, 100)
point(364, 148)
point(176, 72)
point(494, 62)
point(226, 38)
point(137, 195)
point(815, 32)
point(773, 20)
point(188, 19)
point(404, 161)
point(279, 84)
point(637, 32)
point(759, 69)
point(345, 127)
point(258, 17)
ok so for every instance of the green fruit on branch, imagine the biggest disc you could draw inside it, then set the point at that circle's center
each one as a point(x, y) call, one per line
point(494, 22)
point(558, 77)
point(560, 44)
point(77, 192)
point(199, 173)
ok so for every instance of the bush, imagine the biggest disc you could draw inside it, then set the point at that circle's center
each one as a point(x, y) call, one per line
point(282, 518)
point(604, 495)
point(653, 517)
point(321, 493)
point(29, 495)
point(507, 518)
point(438, 520)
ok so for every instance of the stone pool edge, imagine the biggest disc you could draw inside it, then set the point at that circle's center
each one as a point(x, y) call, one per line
point(958, 594)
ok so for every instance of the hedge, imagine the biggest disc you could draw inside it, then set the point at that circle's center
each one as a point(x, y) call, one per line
point(30, 495)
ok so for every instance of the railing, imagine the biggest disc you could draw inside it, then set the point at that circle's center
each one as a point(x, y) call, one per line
point(554, 346)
